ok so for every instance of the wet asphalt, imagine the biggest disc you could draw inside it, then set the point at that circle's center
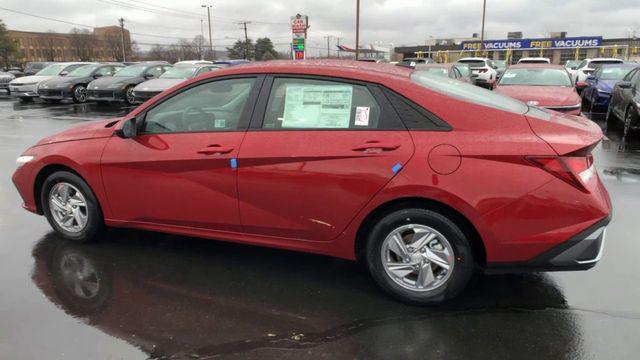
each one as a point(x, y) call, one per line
point(149, 295)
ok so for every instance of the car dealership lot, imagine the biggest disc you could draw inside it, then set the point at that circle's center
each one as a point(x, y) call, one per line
point(163, 296)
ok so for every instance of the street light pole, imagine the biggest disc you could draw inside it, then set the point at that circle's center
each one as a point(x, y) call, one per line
point(357, 27)
point(124, 55)
point(213, 54)
point(484, 8)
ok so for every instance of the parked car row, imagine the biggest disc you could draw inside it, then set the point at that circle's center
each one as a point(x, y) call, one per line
point(103, 82)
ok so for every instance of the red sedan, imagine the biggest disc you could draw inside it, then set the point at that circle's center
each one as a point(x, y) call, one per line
point(543, 85)
point(421, 177)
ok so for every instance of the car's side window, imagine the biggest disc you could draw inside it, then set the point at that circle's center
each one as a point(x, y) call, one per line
point(630, 75)
point(212, 106)
point(582, 64)
point(320, 104)
point(105, 71)
point(635, 80)
point(457, 73)
point(155, 71)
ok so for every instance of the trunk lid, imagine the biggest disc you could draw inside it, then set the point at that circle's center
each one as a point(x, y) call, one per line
point(565, 134)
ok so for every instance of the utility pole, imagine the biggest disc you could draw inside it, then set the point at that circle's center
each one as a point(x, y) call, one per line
point(338, 45)
point(211, 52)
point(246, 37)
point(200, 41)
point(124, 55)
point(328, 50)
point(484, 8)
point(357, 27)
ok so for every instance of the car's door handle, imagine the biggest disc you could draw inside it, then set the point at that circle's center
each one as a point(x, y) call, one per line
point(215, 149)
point(376, 145)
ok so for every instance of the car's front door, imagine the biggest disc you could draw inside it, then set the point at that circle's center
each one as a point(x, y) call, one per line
point(180, 168)
point(316, 152)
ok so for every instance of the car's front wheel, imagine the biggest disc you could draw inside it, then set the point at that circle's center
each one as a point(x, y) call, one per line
point(71, 207)
point(129, 98)
point(419, 256)
point(80, 94)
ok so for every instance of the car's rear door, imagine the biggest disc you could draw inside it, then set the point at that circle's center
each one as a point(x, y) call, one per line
point(317, 150)
point(180, 169)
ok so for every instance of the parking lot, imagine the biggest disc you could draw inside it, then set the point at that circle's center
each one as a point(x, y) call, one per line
point(163, 296)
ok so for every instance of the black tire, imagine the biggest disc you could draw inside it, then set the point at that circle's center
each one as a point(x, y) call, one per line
point(25, 100)
point(94, 223)
point(79, 98)
point(463, 257)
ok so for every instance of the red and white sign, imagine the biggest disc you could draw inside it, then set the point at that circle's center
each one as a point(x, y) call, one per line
point(299, 24)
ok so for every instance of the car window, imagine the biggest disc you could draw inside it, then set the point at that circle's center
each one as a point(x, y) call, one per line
point(464, 70)
point(536, 77)
point(457, 73)
point(212, 106)
point(468, 92)
point(473, 63)
point(156, 71)
point(70, 68)
point(582, 64)
point(630, 75)
point(105, 71)
point(205, 69)
point(320, 104)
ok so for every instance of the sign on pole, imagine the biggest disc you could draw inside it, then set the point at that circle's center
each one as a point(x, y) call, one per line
point(299, 26)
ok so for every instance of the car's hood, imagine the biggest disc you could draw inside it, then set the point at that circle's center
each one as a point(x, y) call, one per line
point(30, 79)
point(543, 95)
point(93, 130)
point(105, 82)
point(606, 85)
point(158, 84)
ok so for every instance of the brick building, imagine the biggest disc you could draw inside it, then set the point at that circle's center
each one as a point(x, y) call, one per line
point(103, 44)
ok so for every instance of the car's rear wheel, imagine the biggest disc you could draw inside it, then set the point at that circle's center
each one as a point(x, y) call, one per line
point(71, 207)
point(79, 94)
point(419, 256)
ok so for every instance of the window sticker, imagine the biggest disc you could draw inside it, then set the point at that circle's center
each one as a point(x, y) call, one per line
point(362, 116)
point(220, 123)
point(317, 106)
point(509, 75)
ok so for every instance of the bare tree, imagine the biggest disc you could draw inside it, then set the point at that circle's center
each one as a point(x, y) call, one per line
point(83, 43)
point(48, 44)
point(200, 44)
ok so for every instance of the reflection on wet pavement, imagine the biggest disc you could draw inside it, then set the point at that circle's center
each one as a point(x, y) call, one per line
point(139, 294)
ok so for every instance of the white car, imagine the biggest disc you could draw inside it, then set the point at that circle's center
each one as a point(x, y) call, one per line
point(26, 87)
point(534, 60)
point(483, 70)
point(587, 66)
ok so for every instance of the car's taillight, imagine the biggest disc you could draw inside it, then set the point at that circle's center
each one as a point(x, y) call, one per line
point(574, 170)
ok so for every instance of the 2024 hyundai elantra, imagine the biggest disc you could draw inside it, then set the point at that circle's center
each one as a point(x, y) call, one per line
point(423, 178)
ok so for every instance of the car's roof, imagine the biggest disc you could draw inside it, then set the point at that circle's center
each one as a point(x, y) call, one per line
point(473, 58)
point(604, 59)
point(317, 67)
point(537, 66)
point(535, 58)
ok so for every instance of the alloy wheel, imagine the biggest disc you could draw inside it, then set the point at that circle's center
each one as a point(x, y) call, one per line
point(79, 276)
point(417, 257)
point(129, 95)
point(80, 93)
point(68, 207)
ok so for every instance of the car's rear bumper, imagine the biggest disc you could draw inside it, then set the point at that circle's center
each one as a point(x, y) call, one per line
point(580, 252)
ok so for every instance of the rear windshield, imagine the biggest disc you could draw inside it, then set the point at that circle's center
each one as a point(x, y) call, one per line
point(613, 73)
point(468, 92)
point(536, 77)
point(473, 63)
point(533, 61)
point(603, 62)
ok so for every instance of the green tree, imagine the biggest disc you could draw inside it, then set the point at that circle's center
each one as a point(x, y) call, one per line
point(8, 47)
point(265, 50)
point(242, 50)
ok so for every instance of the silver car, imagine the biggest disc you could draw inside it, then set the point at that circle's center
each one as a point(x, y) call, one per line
point(174, 76)
point(26, 88)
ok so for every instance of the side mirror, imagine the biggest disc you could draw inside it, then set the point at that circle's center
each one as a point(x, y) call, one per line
point(581, 84)
point(149, 76)
point(64, 73)
point(625, 85)
point(128, 129)
point(95, 76)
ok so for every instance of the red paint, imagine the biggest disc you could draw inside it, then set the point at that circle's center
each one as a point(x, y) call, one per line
point(311, 191)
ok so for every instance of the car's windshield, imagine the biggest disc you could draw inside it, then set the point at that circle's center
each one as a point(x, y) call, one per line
point(51, 70)
point(572, 63)
point(179, 72)
point(473, 63)
point(536, 77)
point(83, 71)
point(613, 73)
point(133, 70)
point(468, 92)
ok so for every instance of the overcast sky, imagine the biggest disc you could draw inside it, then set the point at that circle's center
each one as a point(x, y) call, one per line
point(397, 22)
